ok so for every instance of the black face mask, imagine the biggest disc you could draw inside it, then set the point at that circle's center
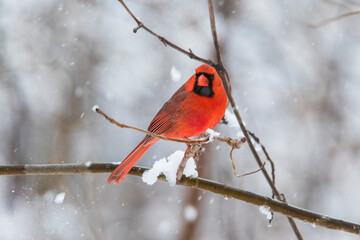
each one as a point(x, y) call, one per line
point(204, 91)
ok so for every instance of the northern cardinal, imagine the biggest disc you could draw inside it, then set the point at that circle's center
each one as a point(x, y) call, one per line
point(197, 105)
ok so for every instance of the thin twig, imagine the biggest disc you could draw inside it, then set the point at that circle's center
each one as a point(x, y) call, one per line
point(213, 31)
point(164, 40)
point(233, 164)
point(333, 19)
point(187, 141)
point(245, 174)
point(198, 183)
point(257, 140)
point(234, 143)
point(219, 66)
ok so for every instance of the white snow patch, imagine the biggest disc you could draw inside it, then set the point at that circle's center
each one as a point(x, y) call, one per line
point(190, 169)
point(88, 164)
point(240, 134)
point(257, 146)
point(168, 166)
point(175, 74)
point(213, 134)
point(190, 213)
point(59, 198)
point(150, 176)
point(232, 120)
point(266, 211)
point(95, 108)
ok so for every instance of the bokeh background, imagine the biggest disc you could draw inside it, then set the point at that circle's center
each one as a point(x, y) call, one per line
point(296, 86)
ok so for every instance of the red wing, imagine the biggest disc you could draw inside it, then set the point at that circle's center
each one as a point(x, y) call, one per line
point(164, 119)
point(161, 123)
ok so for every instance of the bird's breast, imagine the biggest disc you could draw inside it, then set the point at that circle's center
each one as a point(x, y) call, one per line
point(195, 115)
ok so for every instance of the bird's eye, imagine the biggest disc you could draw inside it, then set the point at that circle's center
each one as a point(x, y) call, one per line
point(211, 77)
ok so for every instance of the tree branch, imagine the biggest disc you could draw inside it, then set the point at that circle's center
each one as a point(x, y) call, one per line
point(197, 183)
point(226, 80)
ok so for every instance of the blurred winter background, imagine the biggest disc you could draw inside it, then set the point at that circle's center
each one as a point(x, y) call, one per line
point(297, 88)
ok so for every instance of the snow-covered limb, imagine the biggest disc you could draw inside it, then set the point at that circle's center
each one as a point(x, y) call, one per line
point(198, 183)
point(168, 166)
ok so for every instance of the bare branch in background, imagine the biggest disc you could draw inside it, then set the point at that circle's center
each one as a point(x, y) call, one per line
point(198, 183)
point(333, 19)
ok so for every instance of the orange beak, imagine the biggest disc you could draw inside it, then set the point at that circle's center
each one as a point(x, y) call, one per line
point(203, 81)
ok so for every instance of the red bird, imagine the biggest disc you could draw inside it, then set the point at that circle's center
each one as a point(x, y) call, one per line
point(197, 105)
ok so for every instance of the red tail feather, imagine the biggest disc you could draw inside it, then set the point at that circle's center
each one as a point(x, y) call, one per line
point(118, 175)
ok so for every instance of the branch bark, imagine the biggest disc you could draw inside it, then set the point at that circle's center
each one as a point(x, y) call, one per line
point(197, 183)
